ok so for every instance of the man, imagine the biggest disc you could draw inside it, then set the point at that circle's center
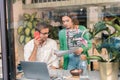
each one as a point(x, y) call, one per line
point(41, 48)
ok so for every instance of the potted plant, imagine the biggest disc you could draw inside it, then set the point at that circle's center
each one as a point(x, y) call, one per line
point(109, 64)
point(27, 29)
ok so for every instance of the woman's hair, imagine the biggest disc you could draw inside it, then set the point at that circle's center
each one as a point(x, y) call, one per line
point(42, 25)
point(73, 16)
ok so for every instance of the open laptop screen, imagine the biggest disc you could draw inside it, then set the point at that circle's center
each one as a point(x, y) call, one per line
point(35, 70)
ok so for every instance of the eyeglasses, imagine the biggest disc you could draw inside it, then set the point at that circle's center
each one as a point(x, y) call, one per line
point(47, 33)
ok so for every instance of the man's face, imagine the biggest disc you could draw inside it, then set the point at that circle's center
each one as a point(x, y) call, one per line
point(67, 22)
point(44, 34)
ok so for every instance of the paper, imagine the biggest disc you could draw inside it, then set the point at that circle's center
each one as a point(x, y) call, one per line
point(60, 53)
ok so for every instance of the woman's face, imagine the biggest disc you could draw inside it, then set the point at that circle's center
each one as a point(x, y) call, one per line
point(67, 22)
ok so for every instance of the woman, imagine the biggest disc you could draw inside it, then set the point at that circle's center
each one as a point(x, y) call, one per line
point(73, 35)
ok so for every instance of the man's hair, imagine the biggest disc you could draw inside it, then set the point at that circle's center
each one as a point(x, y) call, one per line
point(42, 25)
point(73, 17)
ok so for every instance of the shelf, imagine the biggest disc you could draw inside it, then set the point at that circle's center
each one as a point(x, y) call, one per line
point(68, 3)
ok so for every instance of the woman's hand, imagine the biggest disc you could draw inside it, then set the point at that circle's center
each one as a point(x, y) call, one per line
point(83, 57)
point(78, 51)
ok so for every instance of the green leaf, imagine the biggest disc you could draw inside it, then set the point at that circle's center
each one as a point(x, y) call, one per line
point(27, 31)
point(21, 39)
point(95, 57)
point(27, 39)
point(20, 30)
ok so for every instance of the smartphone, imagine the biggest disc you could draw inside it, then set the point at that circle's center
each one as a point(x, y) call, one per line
point(37, 35)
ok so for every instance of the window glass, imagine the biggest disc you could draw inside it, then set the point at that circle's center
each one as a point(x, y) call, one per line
point(0, 58)
point(25, 14)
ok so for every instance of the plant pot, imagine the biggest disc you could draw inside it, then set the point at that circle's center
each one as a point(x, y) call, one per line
point(109, 70)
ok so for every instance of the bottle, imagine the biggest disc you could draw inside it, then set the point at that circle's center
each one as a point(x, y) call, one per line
point(83, 65)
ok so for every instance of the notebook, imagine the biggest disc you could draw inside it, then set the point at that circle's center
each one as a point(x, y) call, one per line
point(35, 70)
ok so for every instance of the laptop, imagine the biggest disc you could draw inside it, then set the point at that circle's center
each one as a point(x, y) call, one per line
point(35, 70)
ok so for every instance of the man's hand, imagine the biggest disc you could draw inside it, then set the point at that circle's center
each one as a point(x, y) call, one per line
point(36, 44)
point(37, 41)
point(34, 52)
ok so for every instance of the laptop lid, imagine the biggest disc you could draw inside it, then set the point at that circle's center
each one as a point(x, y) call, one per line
point(35, 70)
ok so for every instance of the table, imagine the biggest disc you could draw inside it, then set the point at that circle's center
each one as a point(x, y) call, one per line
point(93, 75)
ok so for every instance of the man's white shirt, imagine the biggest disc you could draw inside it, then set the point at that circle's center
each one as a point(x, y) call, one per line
point(44, 53)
